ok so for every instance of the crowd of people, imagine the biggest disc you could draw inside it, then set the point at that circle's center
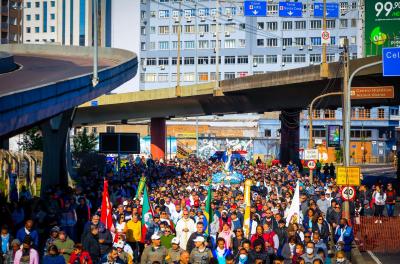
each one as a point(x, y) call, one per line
point(64, 226)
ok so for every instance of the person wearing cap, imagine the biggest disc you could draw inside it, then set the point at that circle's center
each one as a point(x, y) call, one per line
point(124, 256)
point(64, 244)
point(200, 254)
point(174, 253)
point(184, 228)
point(53, 236)
point(26, 254)
point(154, 252)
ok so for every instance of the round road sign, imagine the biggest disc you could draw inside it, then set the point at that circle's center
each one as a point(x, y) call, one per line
point(348, 193)
point(311, 164)
point(325, 35)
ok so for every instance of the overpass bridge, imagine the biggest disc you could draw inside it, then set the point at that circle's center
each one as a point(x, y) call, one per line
point(44, 88)
point(288, 91)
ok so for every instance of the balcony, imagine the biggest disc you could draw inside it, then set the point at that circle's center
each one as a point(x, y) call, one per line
point(4, 10)
point(4, 26)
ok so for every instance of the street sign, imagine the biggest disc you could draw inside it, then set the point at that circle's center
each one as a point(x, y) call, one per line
point(348, 176)
point(332, 10)
point(326, 37)
point(379, 92)
point(311, 164)
point(290, 9)
point(381, 25)
point(318, 141)
point(391, 61)
point(394, 147)
point(348, 193)
point(255, 8)
point(311, 154)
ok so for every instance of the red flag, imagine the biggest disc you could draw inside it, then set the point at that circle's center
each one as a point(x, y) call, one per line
point(106, 209)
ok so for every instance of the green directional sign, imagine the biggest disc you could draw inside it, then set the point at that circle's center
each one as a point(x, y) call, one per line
point(382, 25)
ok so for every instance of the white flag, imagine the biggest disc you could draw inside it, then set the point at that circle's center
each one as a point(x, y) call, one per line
point(294, 211)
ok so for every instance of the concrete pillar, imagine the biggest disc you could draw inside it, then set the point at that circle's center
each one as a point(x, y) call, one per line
point(55, 134)
point(158, 137)
point(290, 136)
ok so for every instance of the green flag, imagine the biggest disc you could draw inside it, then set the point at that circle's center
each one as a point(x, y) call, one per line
point(142, 183)
point(208, 212)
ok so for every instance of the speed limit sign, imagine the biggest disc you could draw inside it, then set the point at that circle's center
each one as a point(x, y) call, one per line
point(348, 193)
point(326, 37)
point(311, 164)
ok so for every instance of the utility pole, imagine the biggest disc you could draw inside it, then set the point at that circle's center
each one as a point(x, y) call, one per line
point(346, 112)
point(178, 91)
point(197, 137)
point(324, 65)
point(95, 79)
point(217, 89)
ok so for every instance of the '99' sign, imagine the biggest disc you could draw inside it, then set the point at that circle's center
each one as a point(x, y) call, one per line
point(385, 8)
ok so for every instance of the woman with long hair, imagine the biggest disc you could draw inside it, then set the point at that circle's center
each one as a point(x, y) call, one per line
point(379, 198)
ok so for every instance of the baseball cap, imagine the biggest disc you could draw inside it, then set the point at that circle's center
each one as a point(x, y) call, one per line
point(55, 229)
point(199, 239)
point(175, 240)
point(119, 244)
point(155, 237)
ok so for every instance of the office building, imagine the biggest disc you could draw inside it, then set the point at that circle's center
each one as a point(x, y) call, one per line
point(10, 21)
point(248, 45)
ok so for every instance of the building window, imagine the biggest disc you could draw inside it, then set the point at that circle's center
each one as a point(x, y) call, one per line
point(152, 45)
point(315, 41)
point(356, 133)
point(287, 58)
point(267, 133)
point(230, 27)
point(300, 41)
point(174, 61)
point(204, 28)
point(28, 30)
point(163, 77)
point(242, 43)
point(315, 24)
point(394, 112)
point(271, 26)
point(110, 129)
point(272, 9)
point(229, 75)
point(353, 22)
point(260, 42)
point(176, 28)
point(162, 30)
point(189, 29)
point(188, 77)
point(329, 114)
point(152, 30)
point(202, 60)
point(343, 23)
point(243, 60)
point(150, 77)
point(364, 113)
point(189, 61)
point(212, 60)
point(300, 24)
point(203, 44)
point(287, 25)
point(52, 16)
point(319, 133)
point(28, 17)
point(163, 13)
point(330, 57)
point(316, 113)
point(258, 59)
point(230, 60)
point(28, 5)
point(242, 26)
point(37, 17)
point(344, 6)
point(229, 44)
point(333, 41)
point(381, 113)
point(330, 23)
point(142, 45)
point(299, 58)
point(260, 25)
point(213, 76)
point(37, 29)
point(163, 45)
point(52, 29)
point(271, 59)
point(212, 44)
point(175, 45)
point(163, 61)
point(315, 58)
point(272, 42)
point(189, 44)
point(203, 76)
point(53, 3)
point(151, 61)
point(287, 42)
point(37, 4)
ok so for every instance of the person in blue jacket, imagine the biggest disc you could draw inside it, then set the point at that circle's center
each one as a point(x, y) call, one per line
point(53, 256)
point(220, 252)
point(344, 237)
point(28, 230)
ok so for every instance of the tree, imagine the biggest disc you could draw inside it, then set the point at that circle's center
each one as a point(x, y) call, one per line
point(32, 140)
point(83, 143)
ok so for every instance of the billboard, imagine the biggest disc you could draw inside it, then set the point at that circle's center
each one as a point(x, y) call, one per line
point(334, 136)
point(124, 143)
point(382, 25)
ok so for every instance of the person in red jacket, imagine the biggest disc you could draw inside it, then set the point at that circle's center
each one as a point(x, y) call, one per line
point(79, 256)
point(391, 197)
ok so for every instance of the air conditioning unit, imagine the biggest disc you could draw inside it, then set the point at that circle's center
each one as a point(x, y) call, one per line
point(176, 19)
point(202, 18)
point(310, 47)
point(214, 18)
point(255, 64)
point(227, 33)
point(311, 63)
point(230, 18)
point(284, 47)
point(162, 67)
point(301, 48)
point(201, 34)
point(215, 34)
point(283, 64)
point(188, 19)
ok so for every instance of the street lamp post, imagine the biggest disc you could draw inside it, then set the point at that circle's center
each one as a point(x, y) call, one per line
point(95, 79)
